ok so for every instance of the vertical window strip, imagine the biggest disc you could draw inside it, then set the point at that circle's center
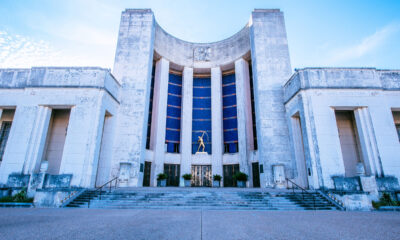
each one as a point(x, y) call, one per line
point(174, 104)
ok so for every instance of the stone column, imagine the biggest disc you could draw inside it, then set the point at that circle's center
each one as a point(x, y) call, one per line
point(15, 155)
point(132, 68)
point(38, 140)
point(241, 68)
point(160, 108)
point(370, 153)
point(186, 122)
point(81, 148)
point(271, 69)
point(216, 121)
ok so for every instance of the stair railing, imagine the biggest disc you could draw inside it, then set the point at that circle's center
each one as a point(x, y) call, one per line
point(100, 189)
point(303, 191)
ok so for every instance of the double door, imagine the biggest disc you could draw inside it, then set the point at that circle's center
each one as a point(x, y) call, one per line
point(201, 176)
point(229, 171)
point(173, 174)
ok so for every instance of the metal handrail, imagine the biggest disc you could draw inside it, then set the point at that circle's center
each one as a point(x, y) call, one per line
point(102, 186)
point(302, 190)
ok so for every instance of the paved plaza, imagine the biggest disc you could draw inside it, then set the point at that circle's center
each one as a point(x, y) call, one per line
point(195, 224)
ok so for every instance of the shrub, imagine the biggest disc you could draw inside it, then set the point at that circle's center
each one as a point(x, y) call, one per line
point(19, 197)
point(240, 176)
point(385, 200)
point(187, 176)
point(217, 177)
point(7, 199)
point(162, 176)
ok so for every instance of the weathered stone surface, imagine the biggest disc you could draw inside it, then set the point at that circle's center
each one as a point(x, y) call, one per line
point(51, 197)
point(18, 180)
point(355, 202)
point(347, 183)
point(58, 181)
point(387, 183)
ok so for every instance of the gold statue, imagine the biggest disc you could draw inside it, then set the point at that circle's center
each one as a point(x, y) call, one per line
point(201, 142)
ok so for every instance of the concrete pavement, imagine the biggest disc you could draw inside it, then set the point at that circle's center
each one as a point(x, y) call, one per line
point(195, 224)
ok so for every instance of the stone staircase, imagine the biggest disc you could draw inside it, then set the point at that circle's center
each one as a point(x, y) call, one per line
point(201, 198)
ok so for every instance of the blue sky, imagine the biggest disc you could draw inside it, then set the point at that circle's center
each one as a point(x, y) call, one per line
point(333, 33)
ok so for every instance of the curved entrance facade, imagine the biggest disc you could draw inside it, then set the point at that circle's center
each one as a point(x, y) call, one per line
point(213, 104)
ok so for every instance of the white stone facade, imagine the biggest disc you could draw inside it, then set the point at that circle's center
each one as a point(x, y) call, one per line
point(314, 94)
point(117, 123)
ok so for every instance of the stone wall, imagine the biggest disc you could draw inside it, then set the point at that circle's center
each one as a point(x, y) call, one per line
point(372, 94)
point(87, 92)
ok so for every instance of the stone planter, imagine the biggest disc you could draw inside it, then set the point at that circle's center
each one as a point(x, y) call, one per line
point(241, 184)
point(216, 184)
point(162, 183)
point(187, 183)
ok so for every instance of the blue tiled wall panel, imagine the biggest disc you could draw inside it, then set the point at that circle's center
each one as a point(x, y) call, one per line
point(201, 103)
point(229, 100)
point(201, 113)
point(174, 101)
point(173, 112)
point(173, 123)
point(229, 112)
point(173, 135)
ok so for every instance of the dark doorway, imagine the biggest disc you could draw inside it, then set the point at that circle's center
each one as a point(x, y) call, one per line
point(256, 174)
point(229, 171)
point(349, 141)
point(201, 175)
point(146, 174)
point(173, 172)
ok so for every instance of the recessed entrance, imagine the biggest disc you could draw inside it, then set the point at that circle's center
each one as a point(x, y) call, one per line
point(201, 175)
point(146, 174)
point(256, 174)
point(173, 173)
point(349, 141)
point(229, 171)
point(55, 141)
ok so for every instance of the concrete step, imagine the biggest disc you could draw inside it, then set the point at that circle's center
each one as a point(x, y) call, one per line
point(202, 198)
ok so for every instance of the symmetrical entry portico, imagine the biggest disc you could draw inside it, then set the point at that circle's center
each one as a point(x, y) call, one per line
point(196, 119)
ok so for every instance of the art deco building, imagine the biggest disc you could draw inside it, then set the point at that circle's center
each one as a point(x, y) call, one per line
point(328, 128)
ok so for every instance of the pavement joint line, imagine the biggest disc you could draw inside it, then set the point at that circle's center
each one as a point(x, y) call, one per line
point(201, 224)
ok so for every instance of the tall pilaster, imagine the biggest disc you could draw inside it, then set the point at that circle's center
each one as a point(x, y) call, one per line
point(271, 68)
point(37, 140)
point(160, 108)
point(132, 68)
point(15, 155)
point(216, 121)
point(186, 122)
point(241, 76)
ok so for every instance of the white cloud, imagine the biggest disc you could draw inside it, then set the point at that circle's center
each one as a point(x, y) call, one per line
point(365, 46)
point(18, 51)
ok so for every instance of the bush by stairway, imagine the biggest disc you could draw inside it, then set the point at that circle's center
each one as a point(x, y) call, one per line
point(385, 200)
point(20, 197)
